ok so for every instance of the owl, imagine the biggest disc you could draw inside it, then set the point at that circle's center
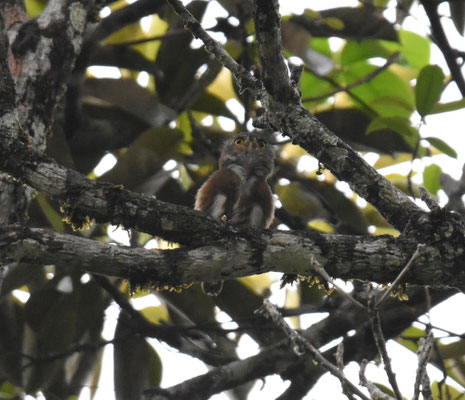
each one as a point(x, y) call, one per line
point(238, 191)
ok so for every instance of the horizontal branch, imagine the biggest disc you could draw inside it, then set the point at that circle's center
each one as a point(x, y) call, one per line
point(377, 259)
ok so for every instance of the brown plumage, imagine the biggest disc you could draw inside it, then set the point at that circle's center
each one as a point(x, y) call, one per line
point(238, 190)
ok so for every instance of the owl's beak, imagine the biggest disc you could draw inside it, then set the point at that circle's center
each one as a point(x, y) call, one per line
point(250, 144)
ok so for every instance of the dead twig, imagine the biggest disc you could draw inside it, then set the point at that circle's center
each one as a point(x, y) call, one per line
point(301, 346)
point(381, 344)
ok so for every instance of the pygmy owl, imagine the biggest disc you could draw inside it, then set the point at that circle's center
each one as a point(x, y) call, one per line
point(238, 190)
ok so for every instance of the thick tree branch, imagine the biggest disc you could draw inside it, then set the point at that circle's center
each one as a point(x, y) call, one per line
point(287, 114)
point(13, 201)
point(55, 38)
point(378, 259)
point(84, 199)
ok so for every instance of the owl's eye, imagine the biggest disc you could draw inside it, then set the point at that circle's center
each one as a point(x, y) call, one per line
point(261, 144)
point(238, 141)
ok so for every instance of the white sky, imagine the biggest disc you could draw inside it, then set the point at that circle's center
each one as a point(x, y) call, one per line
point(449, 127)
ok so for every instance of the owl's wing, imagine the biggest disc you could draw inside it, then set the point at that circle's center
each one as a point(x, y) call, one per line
point(218, 194)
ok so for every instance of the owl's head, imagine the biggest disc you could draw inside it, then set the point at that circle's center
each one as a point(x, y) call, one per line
point(252, 151)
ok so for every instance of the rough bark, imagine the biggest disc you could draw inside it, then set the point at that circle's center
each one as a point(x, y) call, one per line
point(375, 259)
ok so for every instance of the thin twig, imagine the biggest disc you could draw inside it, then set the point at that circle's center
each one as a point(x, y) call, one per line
point(410, 174)
point(319, 268)
point(422, 379)
point(332, 82)
point(429, 201)
point(301, 346)
point(400, 276)
point(365, 79)
point(80, 348)
point(340, 364)
point(245, 80)
point(450, 333)
point(381, 344)
point(169, 34)
point(374, 391)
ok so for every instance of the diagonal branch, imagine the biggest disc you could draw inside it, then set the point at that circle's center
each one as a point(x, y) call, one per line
point(286, 113)
point(301, 345)
point(440, 38)
point(84, 199)
point(245, 80)
point(279, 357)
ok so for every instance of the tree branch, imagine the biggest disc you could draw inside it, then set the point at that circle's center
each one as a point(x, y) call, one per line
point(286, 113)
point(378, 259)
point(279, 358)
point(55, 38)
point(301, 345)
point(84, 199)
point(439, 36)
point(381, 344)
point(227, 376)
point(244, 79)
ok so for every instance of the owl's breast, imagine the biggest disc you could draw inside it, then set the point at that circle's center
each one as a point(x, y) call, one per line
point(254, 206)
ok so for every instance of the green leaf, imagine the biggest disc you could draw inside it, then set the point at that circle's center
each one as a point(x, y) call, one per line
point(355, 51)
point(334, 23)
point(452, 350)
point(211, 104)
point(385, 389)
point(431, 176)
point(410, 338)
point(53, 217)
point(312, 86)
point(8, 391)
point(35, 7)
point(398, 124)
point(415, 48)
point(156, 314)
point(445, 107)
point(392, 102)
point(428, 89)
point(385, 85)
point(321, 45)
point(442, 146)
point(447, 392)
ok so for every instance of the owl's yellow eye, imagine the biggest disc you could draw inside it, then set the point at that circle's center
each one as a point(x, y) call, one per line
point(261, 144)
point(239, 141)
